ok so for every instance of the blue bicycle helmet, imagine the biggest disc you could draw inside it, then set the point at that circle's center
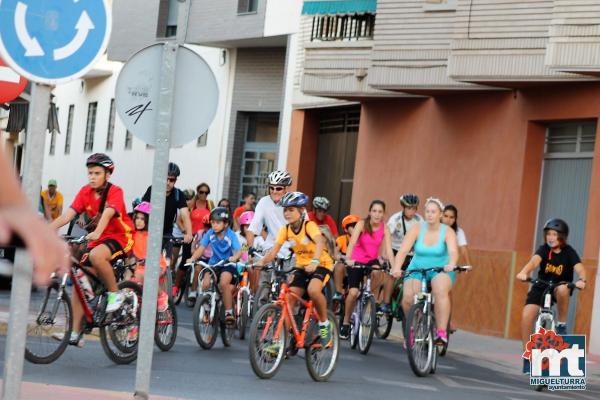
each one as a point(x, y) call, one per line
point(294, 199)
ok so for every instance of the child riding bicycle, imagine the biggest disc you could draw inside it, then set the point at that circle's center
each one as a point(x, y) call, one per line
point(556, 261)
point(313, 263)
point(225, 246)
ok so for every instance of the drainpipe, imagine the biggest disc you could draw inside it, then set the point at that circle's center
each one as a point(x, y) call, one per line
point(594, 339)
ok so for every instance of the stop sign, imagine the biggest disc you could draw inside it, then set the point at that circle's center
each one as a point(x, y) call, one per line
point(11, 84)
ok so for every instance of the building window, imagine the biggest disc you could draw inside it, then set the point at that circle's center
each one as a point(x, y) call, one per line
point(52, 143)
point(128, 140)
point(110, 134)
point(90, 127)
point(343, 27)
point(69, 129)
point(247, 6)
point(571, 139)
point(440, 5)
point(260, 152)
point(202, 140)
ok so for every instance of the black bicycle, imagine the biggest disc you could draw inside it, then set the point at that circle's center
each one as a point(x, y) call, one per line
point(272, 276)
point(50, 325)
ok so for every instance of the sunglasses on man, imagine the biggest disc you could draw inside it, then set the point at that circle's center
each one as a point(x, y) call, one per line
point(277, 188)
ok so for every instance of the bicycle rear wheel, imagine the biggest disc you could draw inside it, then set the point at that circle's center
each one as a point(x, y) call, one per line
point(384, 325)
point(119, 338)
point(50, 314)
point(262, 297)
point(321, 362)
point(444, 349)
point(419, 341)
point(266, 346)
point(165, 332)
point(205, 329)
point(244, 315)
point(366, 329)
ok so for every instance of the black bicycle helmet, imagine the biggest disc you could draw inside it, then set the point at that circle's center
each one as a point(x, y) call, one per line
point(173, 170)
point(294, 199)
point(409, 200)
point(102, 160)
point(219, 214)
point(558, 225)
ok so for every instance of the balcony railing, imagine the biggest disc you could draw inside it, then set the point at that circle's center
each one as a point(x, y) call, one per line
point(342, 27)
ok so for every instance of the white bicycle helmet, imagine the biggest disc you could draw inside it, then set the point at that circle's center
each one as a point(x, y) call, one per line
point(280, 177)
point(321, 203)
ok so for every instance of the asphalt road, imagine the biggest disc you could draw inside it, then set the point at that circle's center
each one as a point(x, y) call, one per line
point(189, 372)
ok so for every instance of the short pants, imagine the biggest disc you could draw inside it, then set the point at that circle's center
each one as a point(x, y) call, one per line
point(301, 278)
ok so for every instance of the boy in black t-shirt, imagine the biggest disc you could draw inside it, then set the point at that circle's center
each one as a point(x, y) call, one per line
point(557, 261)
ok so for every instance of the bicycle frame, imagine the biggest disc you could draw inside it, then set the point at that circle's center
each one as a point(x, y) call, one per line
point(87, 309)
point(283, 302)
point(240, 289)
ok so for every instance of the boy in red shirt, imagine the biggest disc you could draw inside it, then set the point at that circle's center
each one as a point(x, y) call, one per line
point(112, 236)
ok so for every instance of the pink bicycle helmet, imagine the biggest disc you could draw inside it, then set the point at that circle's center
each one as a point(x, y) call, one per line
point(246, 217)
point(144, 207)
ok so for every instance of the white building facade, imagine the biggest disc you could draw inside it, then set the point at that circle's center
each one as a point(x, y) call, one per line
point(90, 124)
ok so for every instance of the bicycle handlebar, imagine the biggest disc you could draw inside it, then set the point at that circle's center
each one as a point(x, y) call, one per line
point(458, 268)
point(75, 239)
point(570, 285)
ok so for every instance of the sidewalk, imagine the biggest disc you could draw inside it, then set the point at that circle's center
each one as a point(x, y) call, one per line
point(503, 355)
point(35, 391)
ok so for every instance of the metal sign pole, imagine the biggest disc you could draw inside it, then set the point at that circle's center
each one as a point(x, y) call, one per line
point(21, 281)
point(155, 234)
point(158, 200)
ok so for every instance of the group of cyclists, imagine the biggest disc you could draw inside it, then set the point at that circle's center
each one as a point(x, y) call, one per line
point(279, 225)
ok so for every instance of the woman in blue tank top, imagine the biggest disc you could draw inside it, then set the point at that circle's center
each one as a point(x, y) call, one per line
point(434, 246)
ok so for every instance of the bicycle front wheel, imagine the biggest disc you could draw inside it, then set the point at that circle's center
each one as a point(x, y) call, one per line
point(119, 338)
point(419, 341)
point(165, 332)
point(205, 328)
point(49, 325)
point(321, 361)
point(366, 329)
point(266, 344)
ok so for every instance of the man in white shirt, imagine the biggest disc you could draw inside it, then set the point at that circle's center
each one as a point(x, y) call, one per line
point(402, 221)
point(269, 213)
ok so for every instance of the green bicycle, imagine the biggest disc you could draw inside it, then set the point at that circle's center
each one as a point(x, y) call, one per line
point(385, 320)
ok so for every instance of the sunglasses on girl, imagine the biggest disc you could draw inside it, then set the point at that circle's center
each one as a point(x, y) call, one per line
point(202, 192)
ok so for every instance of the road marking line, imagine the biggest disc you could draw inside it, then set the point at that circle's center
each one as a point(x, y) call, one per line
point(447, 381)
point(400, 384)
point(241, 361)
point(351, 357)
point(501, 389)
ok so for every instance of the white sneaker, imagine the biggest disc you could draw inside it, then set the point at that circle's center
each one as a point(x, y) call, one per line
point(115, 301)
point(74, 340)
point(193, 295)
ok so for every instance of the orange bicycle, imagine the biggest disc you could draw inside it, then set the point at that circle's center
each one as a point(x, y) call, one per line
point(269, 336)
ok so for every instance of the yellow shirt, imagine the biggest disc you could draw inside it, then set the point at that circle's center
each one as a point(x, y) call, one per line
point(303, 245)
point(53, 204)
